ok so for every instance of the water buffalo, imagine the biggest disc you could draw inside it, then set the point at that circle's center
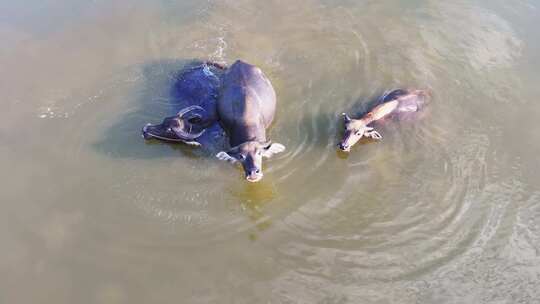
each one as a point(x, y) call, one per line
point(246, 107)
point(395, 103)
point(195, 95)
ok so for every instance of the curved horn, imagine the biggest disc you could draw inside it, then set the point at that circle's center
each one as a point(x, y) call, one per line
point(189, 109)
point(186, 135)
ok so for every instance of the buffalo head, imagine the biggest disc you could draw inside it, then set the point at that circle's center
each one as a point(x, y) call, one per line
point(186, 126)
point(250, 155)
point(355, 129)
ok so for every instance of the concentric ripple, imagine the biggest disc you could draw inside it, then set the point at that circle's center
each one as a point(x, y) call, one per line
point(411, 199)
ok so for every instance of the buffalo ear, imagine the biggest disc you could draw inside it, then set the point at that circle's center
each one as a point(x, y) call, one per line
point(346, 117)
point(272, 149)
point(373, 134)
point(226, 157)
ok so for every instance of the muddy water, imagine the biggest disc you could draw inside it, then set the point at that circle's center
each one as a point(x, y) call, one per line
point(443, 210)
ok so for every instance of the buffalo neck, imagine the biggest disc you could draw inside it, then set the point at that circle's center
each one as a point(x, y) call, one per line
point(241, 134)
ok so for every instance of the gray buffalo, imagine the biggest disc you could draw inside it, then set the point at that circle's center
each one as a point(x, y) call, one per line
point(397, 103)
point(246, 108)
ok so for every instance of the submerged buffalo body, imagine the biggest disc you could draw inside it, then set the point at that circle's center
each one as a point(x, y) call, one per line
point(397, 103)
point(195, 94)
point(246, 108)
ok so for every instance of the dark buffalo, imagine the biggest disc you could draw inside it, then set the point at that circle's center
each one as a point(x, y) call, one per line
point(246, 108)
point(396, 103)
point(195, 95)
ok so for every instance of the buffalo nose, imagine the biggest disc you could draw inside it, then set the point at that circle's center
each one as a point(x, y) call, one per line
point(344, 147)
point(254, 176)
point(145, 134)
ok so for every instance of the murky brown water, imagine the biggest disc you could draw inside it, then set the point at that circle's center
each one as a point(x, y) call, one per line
point(446, 210)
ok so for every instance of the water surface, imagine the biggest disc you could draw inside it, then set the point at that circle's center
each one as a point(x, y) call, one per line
point(443, 210)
